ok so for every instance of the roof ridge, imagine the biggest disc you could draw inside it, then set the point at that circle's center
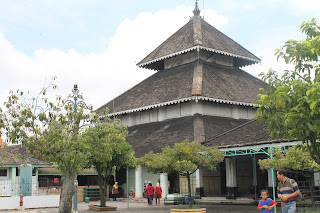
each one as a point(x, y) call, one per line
point(197, 31)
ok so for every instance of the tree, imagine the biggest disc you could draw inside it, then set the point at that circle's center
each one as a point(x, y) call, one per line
point(106, 138)
point(184, 158)
point(295, 160)
point(51, 131)
point(290, 106)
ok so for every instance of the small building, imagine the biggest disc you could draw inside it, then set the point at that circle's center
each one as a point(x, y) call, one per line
point(19, 173)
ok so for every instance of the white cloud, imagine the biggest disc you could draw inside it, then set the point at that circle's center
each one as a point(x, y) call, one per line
point(305, 6)
point(101, 76)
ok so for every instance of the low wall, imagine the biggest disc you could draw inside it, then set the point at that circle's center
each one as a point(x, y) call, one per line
point(30, 202)
point(9, 203)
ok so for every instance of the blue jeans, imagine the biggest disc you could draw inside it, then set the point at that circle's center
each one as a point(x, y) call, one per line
point(150, 199)
point(289, 207)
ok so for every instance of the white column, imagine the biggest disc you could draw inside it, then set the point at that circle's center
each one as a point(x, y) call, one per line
point(138, 180)
point(164, 184)
point(199, 180)
point(270, 178)
point(14, 182)
point(231, 176)
point(317, 179)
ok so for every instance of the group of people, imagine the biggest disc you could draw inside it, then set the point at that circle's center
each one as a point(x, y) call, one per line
point(153, 191)
point(287, 191)
point(149, 190)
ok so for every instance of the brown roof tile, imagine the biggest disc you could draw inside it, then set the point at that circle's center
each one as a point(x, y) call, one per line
point(229, 83)
point(219, 82)
point(43, 171)
point(184, 40)
point(167, 85)
point(15, 155)
point(155, 136)
point(250, 133)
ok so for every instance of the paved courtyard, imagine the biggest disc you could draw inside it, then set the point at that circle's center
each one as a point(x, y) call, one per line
point(143, 207)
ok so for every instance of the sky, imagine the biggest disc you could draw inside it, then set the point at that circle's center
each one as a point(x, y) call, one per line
point(97, 43)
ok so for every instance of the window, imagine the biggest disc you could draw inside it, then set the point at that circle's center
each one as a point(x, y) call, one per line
point(3, 172)
point(17, 171)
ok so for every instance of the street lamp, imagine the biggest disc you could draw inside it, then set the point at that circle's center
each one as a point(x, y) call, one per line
point(76, 95)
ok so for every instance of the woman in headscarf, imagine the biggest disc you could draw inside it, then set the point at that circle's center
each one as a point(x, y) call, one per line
point(115, 191)
point(150, 190)
point(157, 193)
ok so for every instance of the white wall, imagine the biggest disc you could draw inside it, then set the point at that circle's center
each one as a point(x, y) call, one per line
point(41, 201)
point(187, 109)
point(5, 186)
point(132, 179)
point(150, 177)
point(193, 56)
point(9, 203)
point(30, 202)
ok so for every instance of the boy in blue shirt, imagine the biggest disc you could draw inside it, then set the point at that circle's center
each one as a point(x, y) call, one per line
point(266, 204)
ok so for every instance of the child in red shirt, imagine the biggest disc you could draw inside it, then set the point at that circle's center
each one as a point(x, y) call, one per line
point(266, 205)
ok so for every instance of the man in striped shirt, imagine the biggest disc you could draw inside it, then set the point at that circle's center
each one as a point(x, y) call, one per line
point(287, 191)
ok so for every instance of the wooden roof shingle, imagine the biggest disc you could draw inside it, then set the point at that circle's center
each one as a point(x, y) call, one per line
point(155, 136)
point(16, 155)
point(197, 33)
point(219, 82)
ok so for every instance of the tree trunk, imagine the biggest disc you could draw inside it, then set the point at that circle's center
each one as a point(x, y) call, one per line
point(106, 186)
point(311, 188)
point(102, 190)
point(108, 190)
point(67, 193)
point(189, 189)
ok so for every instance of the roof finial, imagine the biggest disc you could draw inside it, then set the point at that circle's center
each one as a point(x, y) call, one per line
point(196, 10)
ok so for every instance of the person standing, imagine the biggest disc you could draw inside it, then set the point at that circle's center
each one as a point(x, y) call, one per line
point(150, 190)
point(266, 204)
point(287, 191)
point(145, 192)
point(115, 191)
point(158, 192)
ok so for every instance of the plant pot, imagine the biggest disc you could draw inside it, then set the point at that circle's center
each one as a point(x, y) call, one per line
point(99, 208)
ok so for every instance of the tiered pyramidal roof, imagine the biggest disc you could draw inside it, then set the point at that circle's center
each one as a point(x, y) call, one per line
point(197, 62)
point(198, 34)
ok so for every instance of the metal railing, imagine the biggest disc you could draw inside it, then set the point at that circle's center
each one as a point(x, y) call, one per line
point(310, 196)
point(28, 187)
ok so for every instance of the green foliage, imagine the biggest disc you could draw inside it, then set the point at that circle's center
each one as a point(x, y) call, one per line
point(294, 159)
point(185, 158)
point(106, 140)
point(290, 105)
point(50, 130)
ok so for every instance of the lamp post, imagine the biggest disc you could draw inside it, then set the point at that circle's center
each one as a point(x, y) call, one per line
point(75, 102)
point(75, 92)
